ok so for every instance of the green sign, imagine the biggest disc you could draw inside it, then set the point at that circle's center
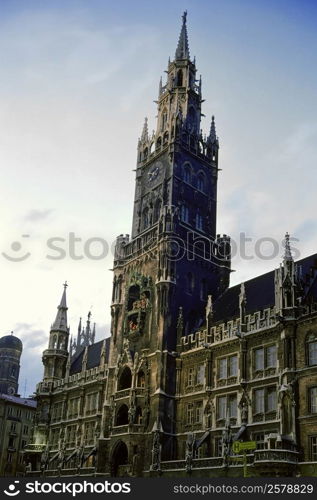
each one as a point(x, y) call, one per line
point(243, 446)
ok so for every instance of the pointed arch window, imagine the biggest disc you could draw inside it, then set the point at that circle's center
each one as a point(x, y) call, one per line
point(145, 218)
point(141, 379)
point(201, 182)
point(187, 174)
point(199, 221)
point(125, 379)
point(185, 214)
point(158, 143)
point(122, 415)
point(164, 120)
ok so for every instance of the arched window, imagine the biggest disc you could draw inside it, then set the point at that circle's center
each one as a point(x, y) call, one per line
point(190, 283)
point(199, 221)
point(311, 349)
point(201, 182)
point(179, 79)
point(145, 153)
point(133, 295)
point(187, 174)
point(165, 138)
point(164, 120)
point(152, 148)
point(122, 415)
point(158, 143)
point(125, 379)
point(185, 213)
point(141, 379)
point(54, 342)
point(138, 416)
point(145, 218)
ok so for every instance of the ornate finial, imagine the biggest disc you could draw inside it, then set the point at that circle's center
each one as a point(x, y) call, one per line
point(145, 131)
point(12, 332)
point(182, 51)
point(212, 134)
point(288, 254)
point(65, 285)
point(160, 88)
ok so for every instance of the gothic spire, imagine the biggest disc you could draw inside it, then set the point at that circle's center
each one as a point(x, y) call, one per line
point(60, 322)
point(145, 131)
point(93, 334)
point(182, 50)
point(212, 134)
point(287, 254)
point(160, 88)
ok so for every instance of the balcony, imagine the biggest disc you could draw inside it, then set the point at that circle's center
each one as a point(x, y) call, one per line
point(34, 448)
point(120, 429)
point(122, 394)
point(276, 455)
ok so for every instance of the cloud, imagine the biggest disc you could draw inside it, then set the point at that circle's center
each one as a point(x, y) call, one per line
point(37, 215)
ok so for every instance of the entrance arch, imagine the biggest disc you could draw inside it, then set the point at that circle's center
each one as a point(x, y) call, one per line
point(119, 458)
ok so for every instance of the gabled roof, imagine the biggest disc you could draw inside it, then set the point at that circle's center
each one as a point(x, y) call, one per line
point(260, 293)
point(93, 356)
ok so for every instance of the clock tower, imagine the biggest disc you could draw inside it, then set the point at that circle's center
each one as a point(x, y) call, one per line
point(174, 260)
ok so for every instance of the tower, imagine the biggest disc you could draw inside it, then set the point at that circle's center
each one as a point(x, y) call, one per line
point(55, 357)
point(10, 354)
point(174, 259)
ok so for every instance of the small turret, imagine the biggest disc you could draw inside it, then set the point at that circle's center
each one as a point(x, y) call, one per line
point(287, 284)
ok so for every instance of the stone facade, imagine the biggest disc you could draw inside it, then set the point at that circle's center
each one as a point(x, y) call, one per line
point(191, 365)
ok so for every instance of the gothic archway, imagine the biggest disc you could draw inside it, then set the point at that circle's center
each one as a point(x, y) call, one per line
point(119, 459)
point(125, 379)
point(122, 417)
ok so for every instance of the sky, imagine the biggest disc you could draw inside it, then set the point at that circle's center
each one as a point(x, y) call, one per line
point(77, 79)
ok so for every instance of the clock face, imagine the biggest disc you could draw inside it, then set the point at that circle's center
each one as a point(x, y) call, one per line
point(154, 172)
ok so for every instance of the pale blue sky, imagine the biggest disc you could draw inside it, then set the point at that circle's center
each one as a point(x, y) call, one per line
point(77, 79)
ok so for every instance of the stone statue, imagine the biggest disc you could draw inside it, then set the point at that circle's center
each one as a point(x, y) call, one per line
point(189, 454)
